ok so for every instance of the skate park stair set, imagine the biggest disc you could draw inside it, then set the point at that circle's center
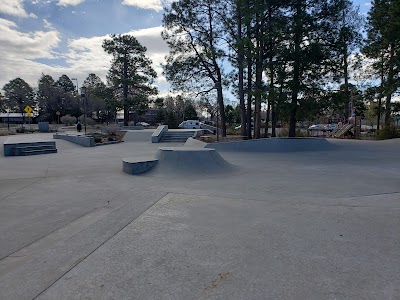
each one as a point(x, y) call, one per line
point(176, 136)
point(18, 147)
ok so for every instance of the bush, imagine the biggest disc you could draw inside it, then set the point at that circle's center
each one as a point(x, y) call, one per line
point(388, 132)
point(301, 133)
point(89, 121)
point(4, 132)
point(68, 120)
point(112, 129)
point(284, 132)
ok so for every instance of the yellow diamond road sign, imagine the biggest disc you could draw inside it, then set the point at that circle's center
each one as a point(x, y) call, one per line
point(28, 109)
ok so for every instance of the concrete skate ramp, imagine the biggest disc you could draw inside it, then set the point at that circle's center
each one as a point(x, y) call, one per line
point(191, 142)
point(138, 136)
point(190, 163)
point(274, 145)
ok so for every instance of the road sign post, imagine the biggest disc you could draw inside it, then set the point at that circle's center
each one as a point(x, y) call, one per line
point(28, 111)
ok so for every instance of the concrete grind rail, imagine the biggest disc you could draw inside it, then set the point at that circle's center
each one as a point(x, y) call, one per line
point(309, 224)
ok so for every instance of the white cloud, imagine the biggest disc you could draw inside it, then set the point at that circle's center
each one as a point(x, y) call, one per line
point(156, 5)
point(86, 55)
point(20, 49)
point(13, 8)
point(31, 45)
point(83, 55)
point(47, 24)
point(70, 2)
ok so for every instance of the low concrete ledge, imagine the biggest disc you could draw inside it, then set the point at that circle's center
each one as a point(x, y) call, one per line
point(156, 136)
point(138, 166)
point(83, 140)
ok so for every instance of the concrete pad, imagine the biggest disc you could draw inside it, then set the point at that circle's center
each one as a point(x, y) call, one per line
point(27, 139)
point(243, 250)
point(298, 225)
point(28, 272)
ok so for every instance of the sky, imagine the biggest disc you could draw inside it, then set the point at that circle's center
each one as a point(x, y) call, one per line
point(57, 37)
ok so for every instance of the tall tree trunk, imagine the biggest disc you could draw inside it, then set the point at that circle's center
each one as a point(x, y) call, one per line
point(389, 88)
point(249, 71)
point(241, 69)
point(346, 76)
point(258, 94)
point(296, 69)
point(218, 70)
point(379, 114)
point(259, 36)
point(267, 119)
point(271, 94)
point(221, 106)
point(381, 95)
point(125, 91)
point(273, 120)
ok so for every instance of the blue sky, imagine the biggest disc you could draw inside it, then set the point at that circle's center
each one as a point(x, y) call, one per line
point(58, 37)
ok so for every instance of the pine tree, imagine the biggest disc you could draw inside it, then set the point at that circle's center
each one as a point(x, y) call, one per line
point(18, 94)
point(383, 46)
point(131, 74)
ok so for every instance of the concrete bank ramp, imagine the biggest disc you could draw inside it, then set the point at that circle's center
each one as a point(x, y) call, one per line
point(190, 163)
point(274, 145)
point(191, 142)
point(138, 136)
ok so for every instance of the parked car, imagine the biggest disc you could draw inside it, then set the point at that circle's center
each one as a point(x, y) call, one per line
point(323, 127)
point(240, 126)
point(144, 124)
point(190, 124)
point(330, 127)
point(316, 127)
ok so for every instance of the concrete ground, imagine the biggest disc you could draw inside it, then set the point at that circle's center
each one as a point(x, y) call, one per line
point(289, 225)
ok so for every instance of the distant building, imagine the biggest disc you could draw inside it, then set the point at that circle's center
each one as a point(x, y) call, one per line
point(14, 118)
point(148, 117)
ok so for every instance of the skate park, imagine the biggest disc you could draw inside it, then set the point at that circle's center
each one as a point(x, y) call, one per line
point(262, 219)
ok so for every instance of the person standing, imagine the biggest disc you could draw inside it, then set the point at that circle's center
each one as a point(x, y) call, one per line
point(79, 126)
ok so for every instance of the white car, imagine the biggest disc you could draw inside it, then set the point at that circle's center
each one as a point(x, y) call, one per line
point(316, 127)
point(330, 127)
point(240, 126)
point(144, 124)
